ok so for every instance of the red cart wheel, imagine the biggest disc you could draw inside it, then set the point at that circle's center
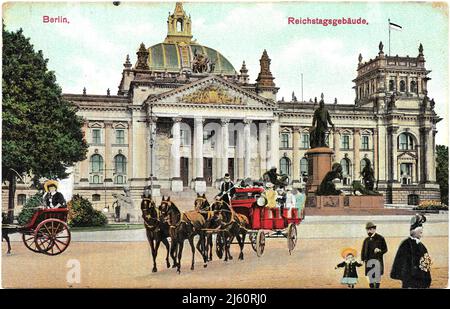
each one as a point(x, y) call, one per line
point(260, 243)
point(28, 241)
point(291, 237)
point(52, 236)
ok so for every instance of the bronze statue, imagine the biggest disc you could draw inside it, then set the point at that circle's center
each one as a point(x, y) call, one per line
point(279, 180)
point(368, 180)
point(327, 186)
point(320, 126)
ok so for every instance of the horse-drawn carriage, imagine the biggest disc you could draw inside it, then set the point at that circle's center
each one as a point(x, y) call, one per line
point(265, 222)
point(47, 231)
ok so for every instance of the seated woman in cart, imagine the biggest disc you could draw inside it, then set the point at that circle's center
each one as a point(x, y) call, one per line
point(52, 198)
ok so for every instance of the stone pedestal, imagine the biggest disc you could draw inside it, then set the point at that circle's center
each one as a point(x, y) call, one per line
point(200, 185)
point(319, 164)
point(345, 201)
point(176, 184)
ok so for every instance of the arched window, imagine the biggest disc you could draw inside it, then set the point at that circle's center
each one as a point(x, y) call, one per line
point(120, 164)
point(179, 25)
point(303, 167)
point(402, 86)
point(413, 86)
point(96, 163)
point(285, 166)
point(391, 85)
point(405, 141)
point(95, 197)
point(345, 163)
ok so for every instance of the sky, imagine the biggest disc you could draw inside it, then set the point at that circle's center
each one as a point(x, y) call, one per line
point(90, 51)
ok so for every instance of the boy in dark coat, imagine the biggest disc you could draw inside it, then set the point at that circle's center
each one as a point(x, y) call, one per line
point(412, 262)
point(373, 248)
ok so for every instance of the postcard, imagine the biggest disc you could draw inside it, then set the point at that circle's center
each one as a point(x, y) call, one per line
point(199, 145)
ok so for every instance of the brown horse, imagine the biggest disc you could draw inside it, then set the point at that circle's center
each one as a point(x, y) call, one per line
point(156, 229)
point(184, 225)
point(233, 225)
point(202, 205)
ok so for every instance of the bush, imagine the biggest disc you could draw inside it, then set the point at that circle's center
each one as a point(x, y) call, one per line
point(29, 208)
point(431, 205)
point(81, 213)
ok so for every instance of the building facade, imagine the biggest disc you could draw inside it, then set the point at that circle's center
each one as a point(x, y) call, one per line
point(183, 116)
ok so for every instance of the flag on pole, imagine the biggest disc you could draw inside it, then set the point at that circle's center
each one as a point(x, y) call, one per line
point(395, 26)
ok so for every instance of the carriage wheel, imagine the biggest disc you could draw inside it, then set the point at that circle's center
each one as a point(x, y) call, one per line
point(260, 243)
point(28, 241)
point(220, 245)
point(291, 237)
point(52, 236)
point(252, 237)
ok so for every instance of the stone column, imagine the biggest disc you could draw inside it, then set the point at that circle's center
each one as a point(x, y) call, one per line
point(274, 144)
point(224, 148)
point(151, 157)
point(247, 148)
point(176, 182)
point(262, 143)
point(337, 144)
point(200, 183)
point(356, 156)
point(392, 149)
point(296, 156)
point(84, 165)
point(429, 158)
point(375, 154)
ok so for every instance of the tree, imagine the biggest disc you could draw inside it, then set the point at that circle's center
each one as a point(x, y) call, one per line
point(81, 213)
point(442, 171)
point(42, 133)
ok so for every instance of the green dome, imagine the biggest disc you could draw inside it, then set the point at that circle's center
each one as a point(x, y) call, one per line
point(175, 56)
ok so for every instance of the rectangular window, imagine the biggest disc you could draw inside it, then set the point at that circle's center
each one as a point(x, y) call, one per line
point(120, 137)
point(305, 140)
point(345, 142)
point(365, 142)
point(96, 136)
point(184, 137)
point(284, 140)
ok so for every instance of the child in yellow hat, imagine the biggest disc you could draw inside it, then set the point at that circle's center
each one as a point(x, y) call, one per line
point(350, 277)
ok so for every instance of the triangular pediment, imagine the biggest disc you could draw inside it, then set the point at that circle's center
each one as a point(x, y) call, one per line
point(407, 156)
point(211, 90)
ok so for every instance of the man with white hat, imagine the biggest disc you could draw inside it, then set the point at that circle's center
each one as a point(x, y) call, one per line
point(412, 263)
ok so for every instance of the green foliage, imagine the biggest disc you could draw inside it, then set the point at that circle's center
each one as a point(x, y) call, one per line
point(29, 209)
point(42, 134)
point(81, 213)
point(442, 171)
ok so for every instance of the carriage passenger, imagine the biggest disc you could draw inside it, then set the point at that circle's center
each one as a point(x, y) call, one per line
point(52, 198)
point(300, 200)
point(290, 199)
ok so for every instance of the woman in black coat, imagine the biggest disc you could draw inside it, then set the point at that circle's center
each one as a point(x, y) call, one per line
point(53, 198)
point(412, 263)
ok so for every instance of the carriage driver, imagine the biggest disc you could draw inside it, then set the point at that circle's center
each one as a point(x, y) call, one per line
point(53, 198)
point(227, 189)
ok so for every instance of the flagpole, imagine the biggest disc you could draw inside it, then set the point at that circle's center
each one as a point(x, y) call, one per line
point(389, 27)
